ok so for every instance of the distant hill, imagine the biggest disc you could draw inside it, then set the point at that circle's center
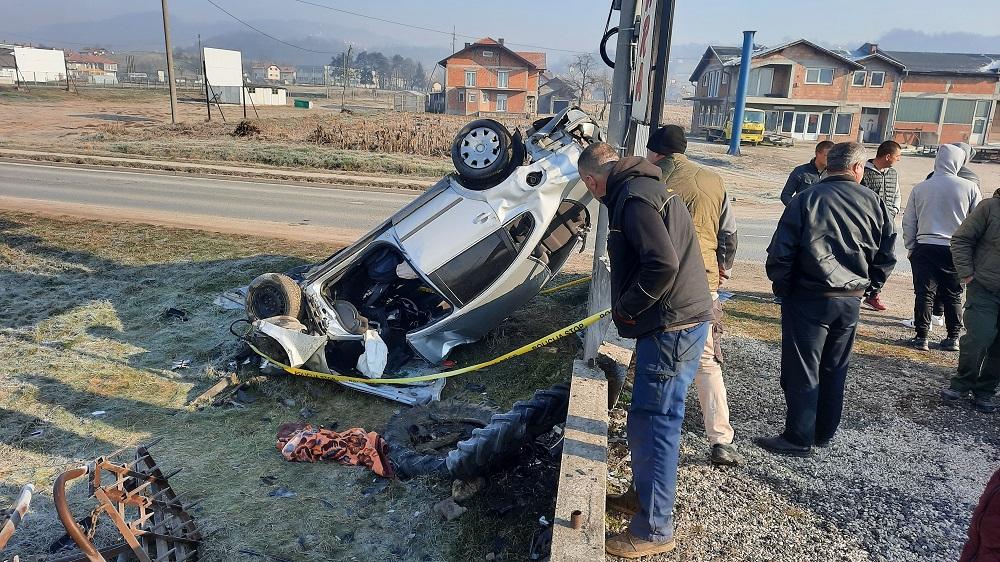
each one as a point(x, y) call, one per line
point(949, 42)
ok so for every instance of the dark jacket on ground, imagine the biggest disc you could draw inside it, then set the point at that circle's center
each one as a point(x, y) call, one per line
point(984, 530)
point(975, 246)
point(834, 239)
point(657, 273)
point(799, 180)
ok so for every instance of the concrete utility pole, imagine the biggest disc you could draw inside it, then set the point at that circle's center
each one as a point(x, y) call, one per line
point(600, 285)
point(665, 21)
point(741, 93)
point(343, 95)
point(170, 63)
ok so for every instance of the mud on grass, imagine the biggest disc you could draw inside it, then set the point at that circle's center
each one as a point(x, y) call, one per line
point(81, 332)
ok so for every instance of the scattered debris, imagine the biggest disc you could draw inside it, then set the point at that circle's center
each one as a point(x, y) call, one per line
point(448, 509)
point(475, 387)
point(288, 402)
point(541, 544)
point(181, 364)
point(281, 492)
point(246, 128)
point(543, 521)
point(355, 446)
point(306, 413)
point(463, 491)
point(98, 413)
point(268, 480)
point(376, 488)
point(175, 314)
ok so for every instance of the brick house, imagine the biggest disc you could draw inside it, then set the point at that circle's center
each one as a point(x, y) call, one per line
point(486, 77)
point(947, 97)
point(83, 65)
point(812, 93)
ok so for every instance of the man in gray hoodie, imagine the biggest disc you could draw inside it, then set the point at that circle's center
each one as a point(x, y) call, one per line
point(934, 211)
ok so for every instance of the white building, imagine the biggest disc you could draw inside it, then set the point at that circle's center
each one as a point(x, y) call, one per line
point(266, 95)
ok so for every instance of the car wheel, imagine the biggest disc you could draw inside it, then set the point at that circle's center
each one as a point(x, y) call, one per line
point(421, 437)
point(481, 152)
point(273, 294)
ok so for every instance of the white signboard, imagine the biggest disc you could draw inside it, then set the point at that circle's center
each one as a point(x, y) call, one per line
point(223, 67)
point(40, 65)
point(645, 59)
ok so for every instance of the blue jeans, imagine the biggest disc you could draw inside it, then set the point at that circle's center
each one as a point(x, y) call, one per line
point(665, 365)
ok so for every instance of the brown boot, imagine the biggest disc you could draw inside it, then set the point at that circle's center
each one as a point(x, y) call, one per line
point(626, 504)
point(625, 545)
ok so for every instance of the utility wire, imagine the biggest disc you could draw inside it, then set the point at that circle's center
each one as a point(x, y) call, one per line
point(265, 34)
point(432, 30)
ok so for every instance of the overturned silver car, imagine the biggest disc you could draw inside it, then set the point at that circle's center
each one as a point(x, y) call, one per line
point(445, 269)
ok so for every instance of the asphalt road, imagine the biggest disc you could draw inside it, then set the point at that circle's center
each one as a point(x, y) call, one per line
point(332, 206)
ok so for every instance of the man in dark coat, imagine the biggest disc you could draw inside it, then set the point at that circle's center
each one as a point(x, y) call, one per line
point(807, 174)
point(660, 297)
point(833, 241)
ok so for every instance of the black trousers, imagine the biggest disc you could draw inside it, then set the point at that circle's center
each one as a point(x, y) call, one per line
point(817, 335)
point(934, 276)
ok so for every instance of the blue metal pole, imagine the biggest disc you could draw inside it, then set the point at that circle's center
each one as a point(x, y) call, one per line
point(741, 92)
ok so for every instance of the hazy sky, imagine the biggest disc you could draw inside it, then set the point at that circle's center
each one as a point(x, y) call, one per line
point(574, 25)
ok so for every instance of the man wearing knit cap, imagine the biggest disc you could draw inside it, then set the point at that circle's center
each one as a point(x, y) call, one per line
point(706, 199)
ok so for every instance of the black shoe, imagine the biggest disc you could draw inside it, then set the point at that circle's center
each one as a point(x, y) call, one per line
point(920, 343)
point(823, 444)
point(781, 446)
point(949, 344)
point(952, 395)
point(984, 405)
point(724, 454)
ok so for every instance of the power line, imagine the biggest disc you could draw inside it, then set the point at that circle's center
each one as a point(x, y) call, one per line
point(265, 34)
point(421, 28)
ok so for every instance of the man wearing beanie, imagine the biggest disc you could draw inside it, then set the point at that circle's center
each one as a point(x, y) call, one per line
point(706, 199)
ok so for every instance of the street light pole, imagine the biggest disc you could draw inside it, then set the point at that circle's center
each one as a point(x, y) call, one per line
point(170, 63)
point(600, 285)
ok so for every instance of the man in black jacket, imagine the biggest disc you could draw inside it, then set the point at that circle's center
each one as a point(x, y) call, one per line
point(802, 177)
point(660, 297)
point(832, 242)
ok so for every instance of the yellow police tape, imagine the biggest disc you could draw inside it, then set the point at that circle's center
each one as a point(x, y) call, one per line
point(572, 283)
point(541, 342)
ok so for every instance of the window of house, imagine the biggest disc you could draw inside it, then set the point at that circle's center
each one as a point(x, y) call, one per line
point(486, 97)
point(274, 91)
point(787, 119)
point(470, 77)
point(824, 123)
point(488, 54)
point(844, 123)
point(461, 96)
point(859, 78)
point(819, 76)
point(725, 77)
point(760, 81)
point(472, 97)
point(877, 80)
point(502, 102)
point(960, 112)
point(916, 110)
point(251, 90)
point(503, 78)
point(714, 78)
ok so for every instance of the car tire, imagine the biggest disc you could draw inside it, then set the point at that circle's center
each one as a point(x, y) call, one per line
point(493, 447)
point(399, 434)
point(482, 153)
point(273, 294)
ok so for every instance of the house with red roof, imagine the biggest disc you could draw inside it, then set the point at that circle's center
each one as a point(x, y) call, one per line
point(486, 77)
point(85, 65)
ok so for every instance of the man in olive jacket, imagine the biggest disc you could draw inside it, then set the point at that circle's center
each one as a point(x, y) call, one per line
point(975, 249)
point(715, 224)
point(660, 297)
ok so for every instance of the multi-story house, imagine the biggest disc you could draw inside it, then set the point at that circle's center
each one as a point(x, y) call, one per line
point(870, 95)
point(486, 77)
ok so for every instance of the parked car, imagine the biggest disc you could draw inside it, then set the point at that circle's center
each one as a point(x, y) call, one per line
point(445, 269)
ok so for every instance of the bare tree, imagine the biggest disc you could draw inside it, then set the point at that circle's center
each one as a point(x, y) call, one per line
point(603, 83)
point(582, 75)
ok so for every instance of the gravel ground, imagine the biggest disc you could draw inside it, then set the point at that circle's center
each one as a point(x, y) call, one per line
point(899, 483)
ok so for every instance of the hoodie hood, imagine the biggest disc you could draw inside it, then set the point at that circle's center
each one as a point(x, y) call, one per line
point(970, 152)
point(631, 167)
point(950, 160)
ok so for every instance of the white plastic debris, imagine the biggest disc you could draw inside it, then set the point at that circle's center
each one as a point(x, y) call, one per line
point(405, 271)
point(98, 413)
point(372, 362)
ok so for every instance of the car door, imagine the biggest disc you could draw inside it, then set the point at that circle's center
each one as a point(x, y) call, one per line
point(443, 228)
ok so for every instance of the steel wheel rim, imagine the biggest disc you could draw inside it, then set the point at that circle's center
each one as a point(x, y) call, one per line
point(480, 148)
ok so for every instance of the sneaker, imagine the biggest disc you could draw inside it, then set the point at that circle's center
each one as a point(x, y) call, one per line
point(626, 545)
point(952, 395)
point(874, 302)
point(626, 504)
point(781, 446)
point(724, 454)
point(984, 405)
point(920, 343)
point(949, 344)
